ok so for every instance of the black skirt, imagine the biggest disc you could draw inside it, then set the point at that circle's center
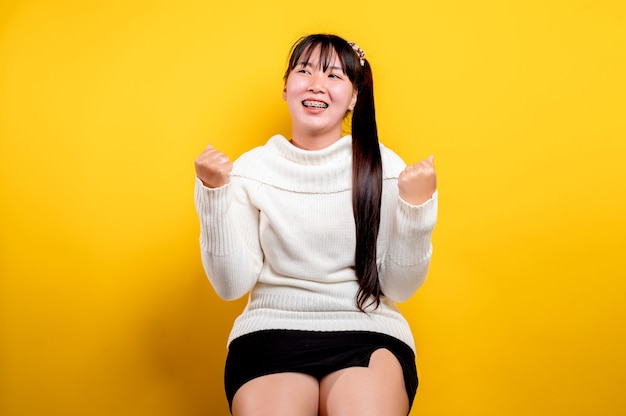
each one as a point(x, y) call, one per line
point(314, 353)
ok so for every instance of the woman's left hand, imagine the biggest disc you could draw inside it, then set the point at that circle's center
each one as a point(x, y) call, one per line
point(418, 182)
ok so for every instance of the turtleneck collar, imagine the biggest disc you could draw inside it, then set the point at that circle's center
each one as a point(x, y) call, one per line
point(283, 165)
point(336, 152)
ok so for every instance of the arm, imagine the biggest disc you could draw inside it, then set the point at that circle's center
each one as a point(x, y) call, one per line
point(229, 227)
point(405, 264)
point(229, 242)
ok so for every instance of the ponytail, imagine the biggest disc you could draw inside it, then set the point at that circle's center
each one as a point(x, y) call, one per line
point(367, 185)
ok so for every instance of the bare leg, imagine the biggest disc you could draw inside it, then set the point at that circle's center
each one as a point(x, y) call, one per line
point(282, 394)
point(366, 391)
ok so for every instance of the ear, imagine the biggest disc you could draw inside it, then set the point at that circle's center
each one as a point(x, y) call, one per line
point(353, 100)
point(285, 92)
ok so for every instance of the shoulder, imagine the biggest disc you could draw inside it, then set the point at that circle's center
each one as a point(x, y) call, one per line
point(393, 164)
point(257, 156)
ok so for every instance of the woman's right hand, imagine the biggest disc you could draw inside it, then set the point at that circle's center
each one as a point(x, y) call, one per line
point(213, 168)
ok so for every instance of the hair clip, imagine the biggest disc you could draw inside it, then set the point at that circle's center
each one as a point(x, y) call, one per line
point(359, 52)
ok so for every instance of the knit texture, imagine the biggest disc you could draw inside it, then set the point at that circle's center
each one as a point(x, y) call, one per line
point(283, 230)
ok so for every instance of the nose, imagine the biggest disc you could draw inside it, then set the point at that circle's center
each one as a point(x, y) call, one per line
point(317, 84)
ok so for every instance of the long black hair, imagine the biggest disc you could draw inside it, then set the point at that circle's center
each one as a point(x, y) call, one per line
point(366, 159)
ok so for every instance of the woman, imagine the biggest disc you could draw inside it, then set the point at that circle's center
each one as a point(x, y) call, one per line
point(326, 233)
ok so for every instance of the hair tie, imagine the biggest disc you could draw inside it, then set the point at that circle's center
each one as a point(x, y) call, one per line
point(359, 52)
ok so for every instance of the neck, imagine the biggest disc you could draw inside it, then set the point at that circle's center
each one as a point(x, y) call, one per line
point(313, 141)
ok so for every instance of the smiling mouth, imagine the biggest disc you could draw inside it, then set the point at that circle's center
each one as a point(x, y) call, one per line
point(314, 104)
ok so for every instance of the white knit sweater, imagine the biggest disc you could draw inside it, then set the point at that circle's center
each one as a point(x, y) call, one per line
point(283, 230)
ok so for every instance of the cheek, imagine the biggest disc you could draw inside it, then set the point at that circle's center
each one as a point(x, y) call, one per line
point(288, 93)
point(344, 95)
point(292, 89)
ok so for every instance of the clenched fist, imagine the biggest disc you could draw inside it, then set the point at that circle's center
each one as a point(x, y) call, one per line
point(418, 182)
point(213, 168)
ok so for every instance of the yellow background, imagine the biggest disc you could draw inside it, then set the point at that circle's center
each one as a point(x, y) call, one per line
point(104, 308)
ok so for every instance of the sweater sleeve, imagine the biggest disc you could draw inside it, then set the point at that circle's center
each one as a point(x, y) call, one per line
point(405, 264)
point(229, 239)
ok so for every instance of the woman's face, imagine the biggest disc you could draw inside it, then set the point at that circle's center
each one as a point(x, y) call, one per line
point(318, 100)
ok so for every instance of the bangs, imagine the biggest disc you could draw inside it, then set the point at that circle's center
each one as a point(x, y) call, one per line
point(333, 51)
point(327, 56)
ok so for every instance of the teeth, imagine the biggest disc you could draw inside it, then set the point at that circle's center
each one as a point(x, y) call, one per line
point(315, 104)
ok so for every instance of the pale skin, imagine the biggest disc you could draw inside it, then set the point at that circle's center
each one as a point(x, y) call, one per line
point(364, 391)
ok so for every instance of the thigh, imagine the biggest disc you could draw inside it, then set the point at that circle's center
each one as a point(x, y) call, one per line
point(374, 390)
point(281, 394)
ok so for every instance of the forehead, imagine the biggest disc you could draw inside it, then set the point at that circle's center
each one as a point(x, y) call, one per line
point(321, 56)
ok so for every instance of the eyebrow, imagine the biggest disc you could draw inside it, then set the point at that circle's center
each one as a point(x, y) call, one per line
point(333, 68)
